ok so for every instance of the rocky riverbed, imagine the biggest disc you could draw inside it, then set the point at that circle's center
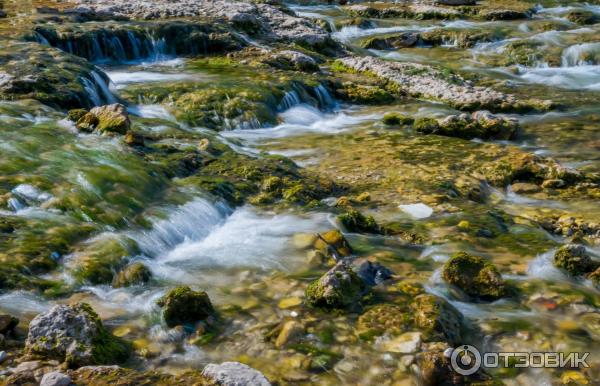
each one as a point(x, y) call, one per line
point(312, 192)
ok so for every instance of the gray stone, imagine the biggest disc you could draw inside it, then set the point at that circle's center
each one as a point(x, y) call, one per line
point(55, 378)
point(235, 374)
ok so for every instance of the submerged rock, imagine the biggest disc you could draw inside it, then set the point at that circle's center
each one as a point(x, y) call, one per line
point(293, 60)
point(183, 305)
point(475, 276)
point(339, 288)
point(74, 334)
point(583, 17)
point(234, 374)
point(574, 259)
point(437, 319)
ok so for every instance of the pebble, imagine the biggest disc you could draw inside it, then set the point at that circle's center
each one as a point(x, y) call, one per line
point(3, 356)
point(55, 378)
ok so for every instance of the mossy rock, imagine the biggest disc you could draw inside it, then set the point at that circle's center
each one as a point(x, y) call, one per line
point(133, 274)
point(474, 276)
point(354, 221)
point(395, 119)
point(339, 288)
point(76, 335)
point(114, 375)
point(112, 118)
point(574, 259)
point(184, 306)
point(99, 262)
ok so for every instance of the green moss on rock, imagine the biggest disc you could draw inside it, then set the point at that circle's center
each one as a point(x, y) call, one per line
point(393, 119)
point(475, 276)
point(354, 221)
point(574, 259)
point(183, 305)
point(339, 288)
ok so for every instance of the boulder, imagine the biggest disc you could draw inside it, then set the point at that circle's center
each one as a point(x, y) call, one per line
point(583, 17)
point(474, 276)
point(74, 334)
point(183, 305)
point(338, 288)
point(574, 259)
point(234, 374)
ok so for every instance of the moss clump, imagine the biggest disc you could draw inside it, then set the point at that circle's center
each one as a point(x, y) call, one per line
point(113, 375)
point(437, 318)
point(382, 319)
point(136, 273)
point(76, 114)
point(426, 125)
point(354, 221)
point(183, 305)
point(475, 276)
point(574, 259)
point(112, 118)
point(339, 288)
point(395, 119)
point(364, 94)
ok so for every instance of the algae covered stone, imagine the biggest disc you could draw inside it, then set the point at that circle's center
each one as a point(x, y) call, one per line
point(354, 221)
point(112, 118)
point(74, 334)
point(390, 319)
point(437, 319)
point(574, 259)
point(475, 276)
point(183, 305)
point(339, 288)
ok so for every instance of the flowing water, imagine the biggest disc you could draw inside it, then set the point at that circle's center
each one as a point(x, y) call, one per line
point(249, 259)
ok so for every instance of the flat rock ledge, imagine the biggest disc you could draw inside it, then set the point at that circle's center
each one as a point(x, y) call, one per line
point(427, 82)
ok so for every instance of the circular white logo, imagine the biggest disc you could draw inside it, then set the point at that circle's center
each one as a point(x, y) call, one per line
point(465, 360)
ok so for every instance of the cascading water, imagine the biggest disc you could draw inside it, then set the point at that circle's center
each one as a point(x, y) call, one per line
point(290, 99)
point(580, 55)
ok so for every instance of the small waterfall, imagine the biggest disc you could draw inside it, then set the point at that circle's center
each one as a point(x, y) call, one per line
point(158, 48)
point(90, 88)
point(97, 54)
point(135, 44)
point(580, 55)
point(41, 39)
point(325, 99)
point(97, 89)
point(290, 99)
point(119, 50)
point(104, 88)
